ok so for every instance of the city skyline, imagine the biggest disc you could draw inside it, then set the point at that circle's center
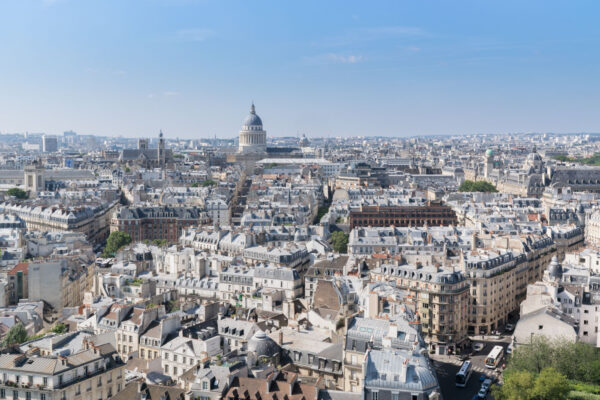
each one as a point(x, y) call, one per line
point(192, 68)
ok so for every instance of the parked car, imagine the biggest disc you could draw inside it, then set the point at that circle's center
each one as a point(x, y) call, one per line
point(486, 384)
point(509, 349)
point(509, 327)
point(483, 377)
point(478, 346)
point(482, 393)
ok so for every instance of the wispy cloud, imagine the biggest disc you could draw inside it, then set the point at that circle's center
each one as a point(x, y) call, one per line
point(105, 71)
point(168, 93)
point(194, 34)
point(368, 34)
point(394, 31)
point(339, 58)
point(335, 58)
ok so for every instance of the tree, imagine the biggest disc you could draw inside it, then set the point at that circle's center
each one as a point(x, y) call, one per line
point(550, 385)
point(60, 328)
point(18, 193)
point(339, 241)
point(115, 241)
point(517, 386)
point(15, 335)
point(479, 186)
point(208, 182)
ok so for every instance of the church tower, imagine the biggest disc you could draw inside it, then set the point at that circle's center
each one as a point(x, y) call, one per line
point(161, 151)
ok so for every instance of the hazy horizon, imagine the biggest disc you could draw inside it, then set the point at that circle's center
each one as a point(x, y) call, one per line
point(393, 69)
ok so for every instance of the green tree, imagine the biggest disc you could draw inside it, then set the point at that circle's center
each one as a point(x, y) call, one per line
point(320, 213)
point(115, 241)
point(533, 357)
point(478, 186)
point(15, 335)
point(18, 193)
point(551, 385)
point(208, 182)
point(60, 328)
point(517, 386)
point(339, 241)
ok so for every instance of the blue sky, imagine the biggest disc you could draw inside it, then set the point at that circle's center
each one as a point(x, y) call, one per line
point(323, 68)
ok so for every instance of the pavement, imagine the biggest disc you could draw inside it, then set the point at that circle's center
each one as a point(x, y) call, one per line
point(447, 366)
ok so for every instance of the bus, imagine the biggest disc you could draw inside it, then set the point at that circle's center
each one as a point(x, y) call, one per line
point(494, 357)
point(462, 376)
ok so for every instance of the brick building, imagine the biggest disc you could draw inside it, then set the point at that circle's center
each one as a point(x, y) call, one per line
point(150, 223)
point(383, 216)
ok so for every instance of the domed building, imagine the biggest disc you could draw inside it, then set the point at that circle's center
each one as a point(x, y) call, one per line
point(262, 345)
point(253, 139)
point(555, 270)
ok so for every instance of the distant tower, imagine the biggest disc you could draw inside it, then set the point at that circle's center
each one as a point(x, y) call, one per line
point(143, 144)
point(35, 181)
point(161, 150)
point(489, 163)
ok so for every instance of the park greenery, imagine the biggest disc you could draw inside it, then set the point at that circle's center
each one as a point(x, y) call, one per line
point(339, 241)
point(477, 186)
point(548, 370)
point(592, 160)
point(18, 193)
point(205, 183)
point(115, 241)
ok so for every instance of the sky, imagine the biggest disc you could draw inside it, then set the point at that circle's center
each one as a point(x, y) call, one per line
point(320, 68)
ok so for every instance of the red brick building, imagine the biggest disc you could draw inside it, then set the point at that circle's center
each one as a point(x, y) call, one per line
point(376, 216)
point(151, 223)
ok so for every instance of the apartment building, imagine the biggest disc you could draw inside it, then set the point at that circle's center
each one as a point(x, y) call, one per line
point(440, 297)
point(93, 373)
point(152, 223)
point(495, 279)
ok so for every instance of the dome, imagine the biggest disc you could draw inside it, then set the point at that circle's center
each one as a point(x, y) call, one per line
point(555, 269)
point(262, 345)
point(534, 157)
point(252, 119)
point(489, 152)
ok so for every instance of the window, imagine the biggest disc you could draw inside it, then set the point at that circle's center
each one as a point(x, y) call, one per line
point(46, 381)
point(99, 381)
point(15, 395)
point(375, 396)
point(174, 370)
point(42, 396)
point(204, 385)
point(27, 395)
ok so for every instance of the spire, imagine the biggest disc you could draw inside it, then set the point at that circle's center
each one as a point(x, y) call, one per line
point(252, 110)
point(160, 135)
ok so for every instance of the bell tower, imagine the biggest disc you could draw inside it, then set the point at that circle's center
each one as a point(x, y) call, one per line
point(161, 150)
